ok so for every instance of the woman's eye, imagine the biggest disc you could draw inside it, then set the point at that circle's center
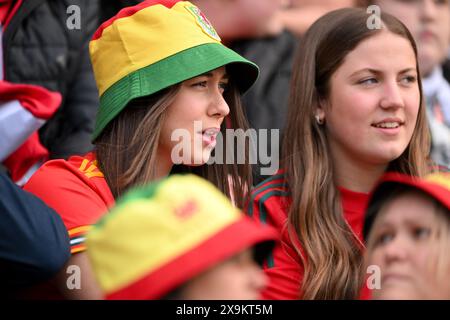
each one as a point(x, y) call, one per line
point(409, 79)
point(384, 238)
point(223, 86)
point(441, 2)
point(200, 84)
point(421, 233)
point(368, 81)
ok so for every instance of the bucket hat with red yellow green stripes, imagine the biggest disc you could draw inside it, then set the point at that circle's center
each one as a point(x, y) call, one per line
point(158, 237)
point(153, 45)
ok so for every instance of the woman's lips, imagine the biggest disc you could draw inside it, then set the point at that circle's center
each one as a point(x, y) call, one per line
point(388, 126)
point(209, 136)
point(394, 278)
point(427, 35)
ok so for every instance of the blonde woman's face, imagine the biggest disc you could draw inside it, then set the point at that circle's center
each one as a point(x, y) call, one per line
point(193, 120)
point(373, 103)
point(403, 244)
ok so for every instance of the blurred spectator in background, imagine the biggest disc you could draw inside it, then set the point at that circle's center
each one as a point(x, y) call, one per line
point(407, 231)
point(45, 44)
point(298, 15)
point(429, 23)
point(177, 239)
point(243, 19)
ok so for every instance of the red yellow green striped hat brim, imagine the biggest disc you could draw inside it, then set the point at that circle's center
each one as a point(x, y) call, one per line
point(158, 237)
point(151, 46)
point(436, 185)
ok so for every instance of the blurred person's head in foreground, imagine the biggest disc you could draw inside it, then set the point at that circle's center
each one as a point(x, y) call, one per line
point(407, 231)
point(179, 238)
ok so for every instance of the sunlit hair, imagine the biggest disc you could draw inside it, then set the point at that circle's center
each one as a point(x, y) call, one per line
point(127, 148)
point(331, 253)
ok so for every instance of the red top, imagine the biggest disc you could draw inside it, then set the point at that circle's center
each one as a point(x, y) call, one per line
point(77, 190)
point(269, 204)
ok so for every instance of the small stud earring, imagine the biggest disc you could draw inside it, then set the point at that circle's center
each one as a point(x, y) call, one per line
point(319, 120)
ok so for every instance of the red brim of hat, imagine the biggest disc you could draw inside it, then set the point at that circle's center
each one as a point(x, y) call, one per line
point(228, 242)
point(392, 179)
point(435, 190)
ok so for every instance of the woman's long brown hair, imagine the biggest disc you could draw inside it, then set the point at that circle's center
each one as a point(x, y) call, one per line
point(127, 148)
point(330, 251)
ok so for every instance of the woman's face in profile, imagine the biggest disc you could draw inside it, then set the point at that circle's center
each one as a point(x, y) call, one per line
point(403, 244)
point(371, 110)
point(193, 120)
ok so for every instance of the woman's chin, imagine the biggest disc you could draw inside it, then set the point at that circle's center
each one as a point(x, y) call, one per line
point(386, 155)
point(199, 161)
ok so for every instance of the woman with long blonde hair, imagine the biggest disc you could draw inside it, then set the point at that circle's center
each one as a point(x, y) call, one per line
point(356, 111)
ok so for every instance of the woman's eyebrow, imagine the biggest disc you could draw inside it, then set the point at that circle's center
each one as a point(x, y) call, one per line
point(369, 70)
point(376, 72)
point(407, 70)
point(225, 76)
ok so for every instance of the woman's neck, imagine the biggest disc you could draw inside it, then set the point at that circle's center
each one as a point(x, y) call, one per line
point(356, 175)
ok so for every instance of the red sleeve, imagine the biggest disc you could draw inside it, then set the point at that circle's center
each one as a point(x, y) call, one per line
point(30, 153)
point(40, 102)
point(74, 196)
point(269, 205)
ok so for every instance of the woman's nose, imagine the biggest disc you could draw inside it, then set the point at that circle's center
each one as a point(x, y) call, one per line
point(219, 107)
point(392, 97)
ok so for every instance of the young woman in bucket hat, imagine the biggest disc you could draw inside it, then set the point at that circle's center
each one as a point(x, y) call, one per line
point(407, 231)
point(176, 239)
point(159, 67)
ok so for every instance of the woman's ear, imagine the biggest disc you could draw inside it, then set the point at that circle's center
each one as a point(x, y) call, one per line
point(320, 111)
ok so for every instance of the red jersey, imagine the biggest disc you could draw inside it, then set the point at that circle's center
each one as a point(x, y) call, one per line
point(269, 204)
point(77, 190)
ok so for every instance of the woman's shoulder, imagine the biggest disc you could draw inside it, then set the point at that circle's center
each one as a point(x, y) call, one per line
point(270, 200)
point(76, 170)
point(75, 188)
point(272, 186)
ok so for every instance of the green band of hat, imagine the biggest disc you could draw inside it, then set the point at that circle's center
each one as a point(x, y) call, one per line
point(169, 71)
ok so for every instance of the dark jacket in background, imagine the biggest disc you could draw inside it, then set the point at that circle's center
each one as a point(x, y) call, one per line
point(446, 70)
point(40, 49)
point(34, 244)
point(109, 8)
point(266, 103)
